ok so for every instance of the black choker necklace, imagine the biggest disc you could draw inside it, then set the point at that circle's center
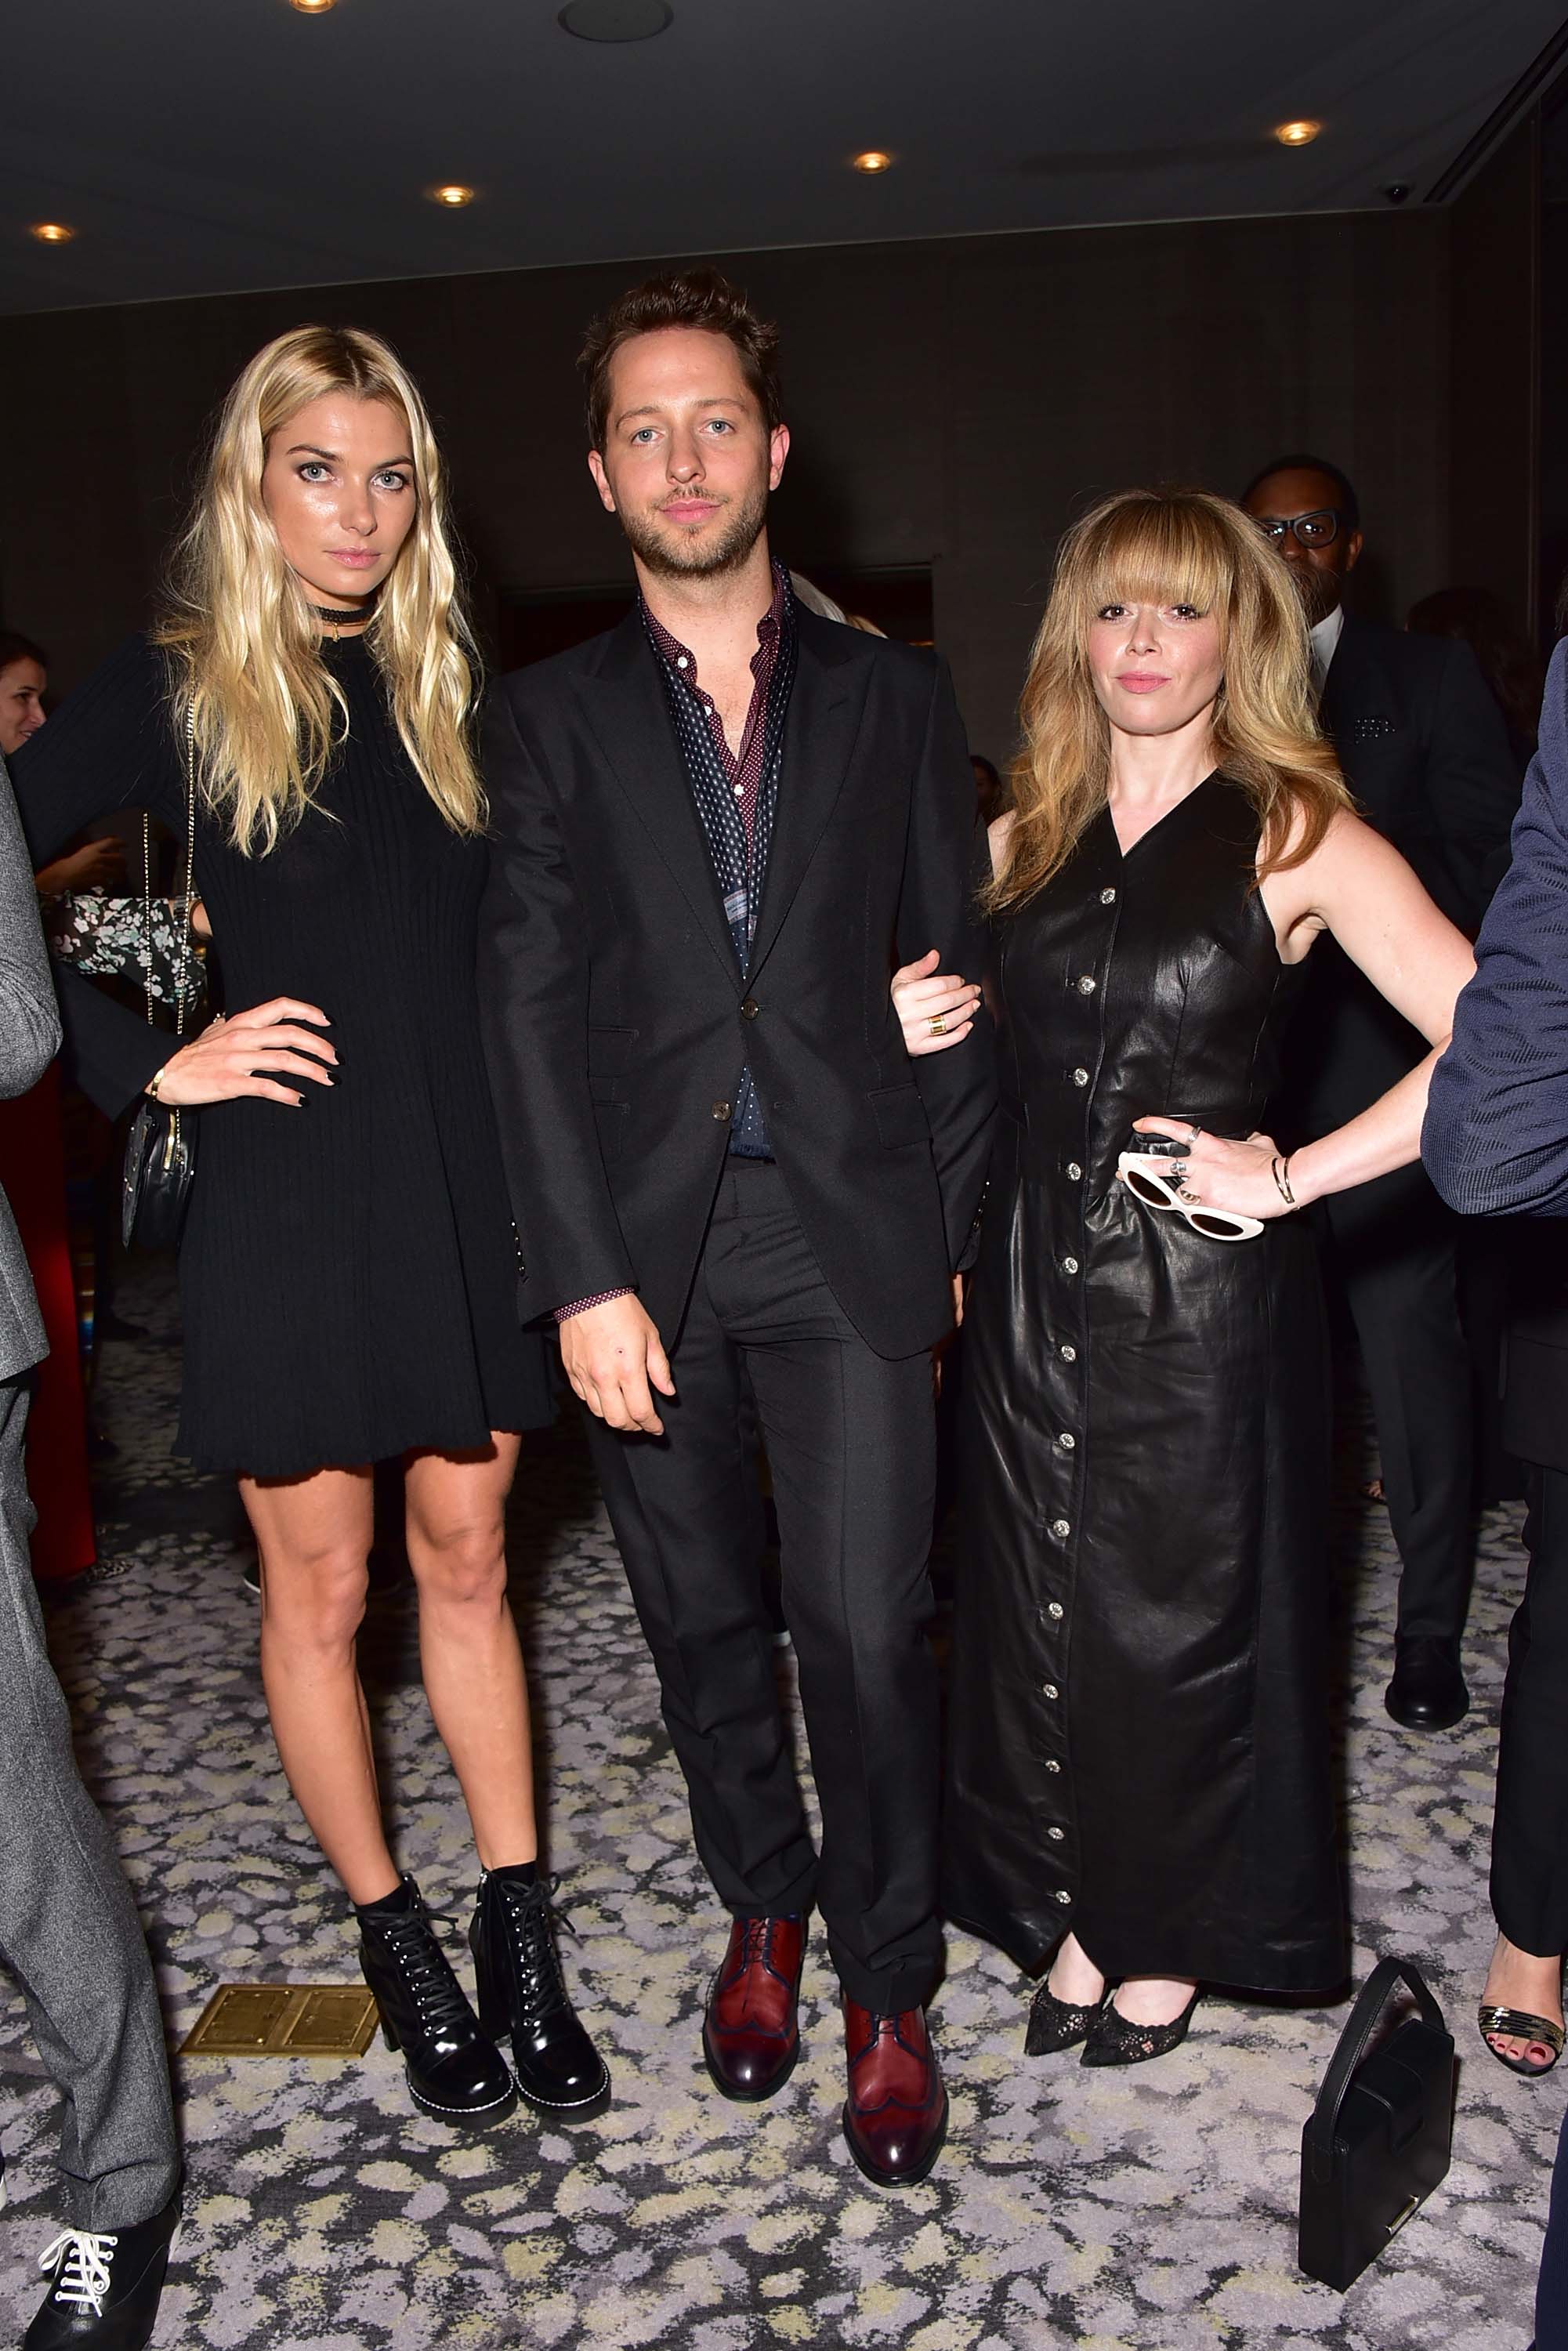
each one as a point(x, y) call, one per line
point(335, 620)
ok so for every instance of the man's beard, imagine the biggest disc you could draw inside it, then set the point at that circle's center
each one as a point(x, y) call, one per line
point(1319, 590)
point(692, 557)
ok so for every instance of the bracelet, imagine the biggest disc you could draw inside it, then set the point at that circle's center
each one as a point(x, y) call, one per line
point(154, 1081)
point(1282, 1170)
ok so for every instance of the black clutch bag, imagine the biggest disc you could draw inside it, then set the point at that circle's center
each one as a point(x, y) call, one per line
point(1379, 2139)
point(159, 1163)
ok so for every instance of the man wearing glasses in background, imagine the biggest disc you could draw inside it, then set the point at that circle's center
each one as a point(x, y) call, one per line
point(1425, 751)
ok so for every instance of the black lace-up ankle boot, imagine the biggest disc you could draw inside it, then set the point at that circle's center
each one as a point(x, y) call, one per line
point(455, 2071)
point(521, 1992)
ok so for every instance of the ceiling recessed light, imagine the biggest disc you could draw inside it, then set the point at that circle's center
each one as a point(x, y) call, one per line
point(874, 160)
point(1296, 134)
point(51, 232)
point(453, 195)
point(312, 7)
point(616, 20)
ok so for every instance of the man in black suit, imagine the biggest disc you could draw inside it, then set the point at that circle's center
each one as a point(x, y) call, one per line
point(1425, 750)
point(716, 832)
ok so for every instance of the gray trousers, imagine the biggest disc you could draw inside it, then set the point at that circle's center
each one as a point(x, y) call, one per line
point(69, 1928)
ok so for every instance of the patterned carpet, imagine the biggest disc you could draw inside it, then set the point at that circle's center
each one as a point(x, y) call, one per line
point(1151, 2211)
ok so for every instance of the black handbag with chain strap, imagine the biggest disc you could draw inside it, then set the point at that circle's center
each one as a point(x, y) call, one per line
point(160, 1149)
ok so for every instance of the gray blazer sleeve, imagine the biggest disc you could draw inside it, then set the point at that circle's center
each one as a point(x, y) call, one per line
point(1495, 1142)
point(29, 1020)
point(29, 1040)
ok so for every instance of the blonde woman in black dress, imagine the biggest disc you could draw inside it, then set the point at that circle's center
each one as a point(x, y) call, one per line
point(348, 1269)
point(1138, 1787)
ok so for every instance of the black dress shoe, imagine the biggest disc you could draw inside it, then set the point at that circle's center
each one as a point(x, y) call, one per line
point(455, 2071)
point(1428, 1692)
point(105, 2286)
point(522, 1992)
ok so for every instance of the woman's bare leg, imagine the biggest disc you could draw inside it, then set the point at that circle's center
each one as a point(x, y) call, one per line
point(456, 1529)
point(313, 1535)
point(1141, 2000)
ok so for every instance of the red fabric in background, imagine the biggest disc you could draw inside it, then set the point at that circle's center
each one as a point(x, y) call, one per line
point(32, 1171)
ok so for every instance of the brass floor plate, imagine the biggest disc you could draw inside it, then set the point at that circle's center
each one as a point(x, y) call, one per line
point(284, 2021)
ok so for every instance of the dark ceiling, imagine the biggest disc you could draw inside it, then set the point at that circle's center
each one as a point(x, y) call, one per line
point(200, 146)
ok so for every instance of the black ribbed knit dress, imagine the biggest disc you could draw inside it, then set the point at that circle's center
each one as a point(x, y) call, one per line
point(347, 1272)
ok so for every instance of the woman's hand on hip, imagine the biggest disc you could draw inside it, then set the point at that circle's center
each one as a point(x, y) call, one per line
point(935, 1009)
point(253, 1052)
point(1214, 1173)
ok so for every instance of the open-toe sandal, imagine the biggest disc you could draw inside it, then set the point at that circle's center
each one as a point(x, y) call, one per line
point(1520, 2025)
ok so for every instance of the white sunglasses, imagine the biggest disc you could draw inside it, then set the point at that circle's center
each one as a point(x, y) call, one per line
point(1143, 1173)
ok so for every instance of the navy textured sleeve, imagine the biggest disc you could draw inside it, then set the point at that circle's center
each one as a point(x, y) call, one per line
point(1496, 1133)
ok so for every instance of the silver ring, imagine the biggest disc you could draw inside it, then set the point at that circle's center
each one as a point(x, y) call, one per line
point(1180, 1170)
point(1192, 1134)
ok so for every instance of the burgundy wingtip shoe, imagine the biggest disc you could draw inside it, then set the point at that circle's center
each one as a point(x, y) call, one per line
point(895, 2117)
point(752, 2032)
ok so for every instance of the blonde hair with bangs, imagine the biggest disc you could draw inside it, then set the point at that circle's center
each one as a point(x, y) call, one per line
point(1169, 547)
point(246, 646)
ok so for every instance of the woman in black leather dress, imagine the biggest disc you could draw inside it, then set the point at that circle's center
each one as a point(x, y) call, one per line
point(1139, 1767)
point(348, 1269)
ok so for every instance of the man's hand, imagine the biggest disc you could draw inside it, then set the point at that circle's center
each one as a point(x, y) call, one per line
point(99, 866)
point(612, 1357)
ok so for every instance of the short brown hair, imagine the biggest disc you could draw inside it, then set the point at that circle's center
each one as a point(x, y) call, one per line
point(682, 298)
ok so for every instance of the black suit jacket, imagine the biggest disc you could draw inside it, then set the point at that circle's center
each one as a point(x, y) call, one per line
point(616, 1022)
point(1425, 753)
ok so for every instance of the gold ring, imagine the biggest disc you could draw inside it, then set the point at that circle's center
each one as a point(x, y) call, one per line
point(937, 1025)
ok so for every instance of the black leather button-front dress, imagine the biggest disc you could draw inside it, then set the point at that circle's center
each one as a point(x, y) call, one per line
point(1140, 1740)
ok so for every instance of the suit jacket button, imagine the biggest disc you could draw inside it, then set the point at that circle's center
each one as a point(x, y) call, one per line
point(750, 1009)
point(722, 1110)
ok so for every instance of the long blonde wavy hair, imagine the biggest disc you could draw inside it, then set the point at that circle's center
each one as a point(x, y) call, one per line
point(245, 649)
point(1169, 547)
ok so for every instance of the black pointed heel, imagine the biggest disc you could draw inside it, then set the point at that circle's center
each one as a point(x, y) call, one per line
point(1057, 2025)
point(523, 1993)
point(455, 2071)
point(1114, 2040)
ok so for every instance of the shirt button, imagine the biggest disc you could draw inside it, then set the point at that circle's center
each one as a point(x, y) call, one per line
point(1066, 1440)
point(722, 1110)
point(1055, 1836)
point(1055, 1608)
point(1080, 1077)
point(682, 662)
point(709, 707)
point(1051, 1764)
point(1069, 1354)
point(1051, 1690)
point(1075, 1172)
point(1061, 1529)
point(739, 791)
point(750, 1009)
point(1070, 1265)
point(1107, 897)
point(1086, 986)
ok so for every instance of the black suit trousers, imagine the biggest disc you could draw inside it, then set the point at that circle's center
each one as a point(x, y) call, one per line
point(851, 1443)
point(1530, 1828)
point(1395, 1246)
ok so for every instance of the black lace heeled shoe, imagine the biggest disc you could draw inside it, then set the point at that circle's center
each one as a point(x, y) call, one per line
point(1056, 2024)
point(523, 1993)
point(455, 2070)
point(1115, 2039)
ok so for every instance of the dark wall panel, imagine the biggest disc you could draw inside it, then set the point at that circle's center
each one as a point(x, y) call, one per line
point(952, 404)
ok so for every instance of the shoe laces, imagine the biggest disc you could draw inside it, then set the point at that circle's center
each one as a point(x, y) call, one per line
point(532, 1913)
point(84, 2259)
point(411, 1939)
